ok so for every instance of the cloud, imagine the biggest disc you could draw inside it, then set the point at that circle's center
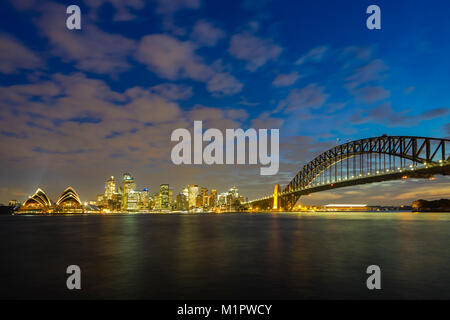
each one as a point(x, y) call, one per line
point(311, 96)
point(73, 119)
point(15, 56)
point(446, 128)
point(371, 72)
point(385, 114)
point(284, 80)
point(244, 102)
point(302, 149)
point(172, 91)
point(265, 121)
point(409, 89)
point(371, 94)
point(204, 33)
point(434, 113)
point(123, 8)
point(23, 4)
point(218, 118)
point(361, 53)
point(314, 55)
point(75, 113)
point(224, 84)
point(167, 9)
point(256, 51)
point(173, 59)
point(90, 48)
point(171, 6)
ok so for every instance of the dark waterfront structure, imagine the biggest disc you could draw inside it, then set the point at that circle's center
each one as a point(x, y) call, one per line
point(442, 205)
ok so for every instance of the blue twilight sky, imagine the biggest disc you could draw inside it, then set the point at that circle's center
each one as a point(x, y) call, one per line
point(78, 106)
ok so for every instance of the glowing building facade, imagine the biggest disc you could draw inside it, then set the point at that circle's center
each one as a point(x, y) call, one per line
point(110, 188)
point(164, 196)
point(39, 202)
point(128, 186)
point(69, 202)
point(193, 192)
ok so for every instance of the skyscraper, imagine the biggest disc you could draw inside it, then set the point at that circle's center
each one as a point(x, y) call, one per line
point(132, 201)
point(110, 188)
point(204, 194)
point(213, 198)
point(170, 197)
point(164, 195)
point(144, 199)
point(193, 192)
point(128, 186)
point(234, 192)
point(182, 203)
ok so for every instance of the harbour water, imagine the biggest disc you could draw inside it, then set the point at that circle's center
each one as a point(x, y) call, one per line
point(227, 256)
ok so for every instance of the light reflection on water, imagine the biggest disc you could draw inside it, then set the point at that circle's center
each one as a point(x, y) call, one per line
point(210, 256)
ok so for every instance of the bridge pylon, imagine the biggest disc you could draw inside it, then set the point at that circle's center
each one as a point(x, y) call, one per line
point(276, 198)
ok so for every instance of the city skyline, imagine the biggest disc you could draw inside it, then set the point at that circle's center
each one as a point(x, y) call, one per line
point(125, 196)
point(80, 105)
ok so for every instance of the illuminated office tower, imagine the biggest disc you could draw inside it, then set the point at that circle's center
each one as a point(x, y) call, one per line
point(204, 194)
point(193, 192)
point(144, 199)
point(199, 201)
point(234, 192)
point(213, 198)
point(131, 203)
point(157, 201)
point(222, 199)
point(128, 186)
point(110, 188)
point(186, 193)
point(100, 200)
point(170, 197)
point(164, 196)
point(182, 203)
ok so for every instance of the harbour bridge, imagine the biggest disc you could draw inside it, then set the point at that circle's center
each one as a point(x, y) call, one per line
point(362, 161)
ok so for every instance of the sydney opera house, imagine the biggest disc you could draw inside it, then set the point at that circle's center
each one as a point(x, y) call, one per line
point(39, 202)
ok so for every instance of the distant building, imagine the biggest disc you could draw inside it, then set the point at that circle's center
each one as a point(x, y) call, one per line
point(132, 200)
point(193, 192)
point(110, 188)
point(213, 198)
point(128, 186)
point(186, 192)
point(144, 199)
point(204, 194)
point(171, 197)
point(346, 207)
point(181, 202)
point(157, 201)
point(234, 192)
point(13, 203)
point(164, 196)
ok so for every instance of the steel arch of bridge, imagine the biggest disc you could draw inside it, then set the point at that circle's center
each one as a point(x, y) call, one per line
point(430, 152)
